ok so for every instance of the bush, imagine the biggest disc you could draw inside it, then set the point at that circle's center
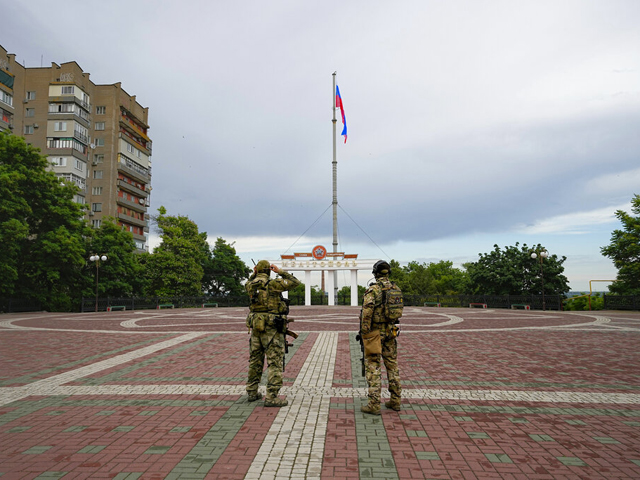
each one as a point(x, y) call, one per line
point(582, 303)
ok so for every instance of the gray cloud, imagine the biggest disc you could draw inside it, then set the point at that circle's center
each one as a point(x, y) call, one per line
point(464, 117)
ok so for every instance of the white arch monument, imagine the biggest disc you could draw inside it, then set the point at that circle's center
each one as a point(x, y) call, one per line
point(319, 260)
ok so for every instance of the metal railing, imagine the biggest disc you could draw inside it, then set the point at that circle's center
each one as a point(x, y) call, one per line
point(621, 302)
point(147, 303)
point(17, 305)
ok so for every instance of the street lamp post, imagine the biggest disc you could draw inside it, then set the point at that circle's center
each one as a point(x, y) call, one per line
point(97, 259)
point(543, 254)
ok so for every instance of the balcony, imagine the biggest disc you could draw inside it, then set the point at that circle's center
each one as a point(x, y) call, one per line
point(145, 145)
point(133, 169)
point(66, 146)
point(131, 220)
point(79, 136)
point(137, 206)
point(70, 98)
point(141, 238)
point(6, 120)
point(75, 113)
point(132, 189)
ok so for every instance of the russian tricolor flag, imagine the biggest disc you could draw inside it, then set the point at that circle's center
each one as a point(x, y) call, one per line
point(344, 119)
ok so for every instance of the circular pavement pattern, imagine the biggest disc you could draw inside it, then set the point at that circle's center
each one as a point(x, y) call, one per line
point(160, 394)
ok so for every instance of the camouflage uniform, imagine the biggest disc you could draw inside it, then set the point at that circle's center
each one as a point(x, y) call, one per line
point(268, 342)
point(372, 318)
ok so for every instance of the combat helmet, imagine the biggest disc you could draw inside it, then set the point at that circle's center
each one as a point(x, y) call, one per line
point(381, 268)
point(263, 266)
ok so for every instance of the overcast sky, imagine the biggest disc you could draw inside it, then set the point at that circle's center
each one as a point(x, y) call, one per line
point(471, 123)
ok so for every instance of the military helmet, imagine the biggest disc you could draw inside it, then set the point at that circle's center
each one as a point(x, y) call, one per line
point(263, 266)
point(381, 268)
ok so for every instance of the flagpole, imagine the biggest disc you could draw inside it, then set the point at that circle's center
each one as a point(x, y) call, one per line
point(335, 190)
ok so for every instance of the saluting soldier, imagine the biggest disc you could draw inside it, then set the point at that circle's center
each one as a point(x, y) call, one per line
point(267, 309)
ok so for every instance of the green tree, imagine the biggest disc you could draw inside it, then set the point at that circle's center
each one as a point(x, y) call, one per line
point(224, 271)
point(447, 280)
point(439, 278)
point(122, 275)
point(41, 229)
point(398, 275)
point(297, 294)
point(514, 272)
point(419, 280)
point(345, 293)
point(624, 250)
point(176, 266)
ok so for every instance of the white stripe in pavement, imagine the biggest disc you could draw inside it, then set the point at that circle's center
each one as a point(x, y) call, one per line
point(294, 445)
point(47, 385)
point(10, 394)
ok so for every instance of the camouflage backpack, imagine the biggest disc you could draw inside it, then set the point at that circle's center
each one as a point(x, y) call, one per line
point(392, 303)
point(262, 301)
point(259, 296)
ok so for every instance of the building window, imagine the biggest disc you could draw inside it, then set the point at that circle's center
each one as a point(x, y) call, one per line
point(6, 98)
point(67, 90)
point(97, 174)
point(80, 165)
point(59, 126)
point(66, 143)
point(96, 191)
point(101, 110)
point(30, 112)
point(99, 142)
point(28, 129)
point(98, 158)
point(70, 177)
point(31, 95)
point(133, 150)
point(99, 125)
point(96, 223)
point(58, 161)
point(61, 108)
point(96, 207)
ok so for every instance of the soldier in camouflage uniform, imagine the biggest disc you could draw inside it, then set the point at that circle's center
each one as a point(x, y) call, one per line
point(266, 305)
point(372, 318)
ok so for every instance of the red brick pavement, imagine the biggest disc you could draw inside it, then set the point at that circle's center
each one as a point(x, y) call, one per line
point(101, 436)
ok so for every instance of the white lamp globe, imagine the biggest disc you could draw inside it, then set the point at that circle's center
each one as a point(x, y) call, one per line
point(104, 258)
point(544, 254)
point(534, 255)
point(93, 258)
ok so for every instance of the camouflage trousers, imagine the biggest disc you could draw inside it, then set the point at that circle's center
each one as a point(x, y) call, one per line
point(373, 371)
point(269, 344)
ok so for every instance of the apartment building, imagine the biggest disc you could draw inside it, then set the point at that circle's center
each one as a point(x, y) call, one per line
point(94, 136)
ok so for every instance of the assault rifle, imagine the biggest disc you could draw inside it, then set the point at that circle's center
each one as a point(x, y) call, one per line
point(359, 338)
point(282, 327)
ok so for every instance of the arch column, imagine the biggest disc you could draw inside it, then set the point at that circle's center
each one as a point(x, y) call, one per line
point(307, 287)
point(330, 287)
point(354, 287)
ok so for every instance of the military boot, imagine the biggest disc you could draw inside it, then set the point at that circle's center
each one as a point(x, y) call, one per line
point(371, 409)
point(255, 396)
point(275, 402)
point(393, 404)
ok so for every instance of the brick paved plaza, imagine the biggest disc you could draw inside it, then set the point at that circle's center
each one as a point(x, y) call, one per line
point(160, 394)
